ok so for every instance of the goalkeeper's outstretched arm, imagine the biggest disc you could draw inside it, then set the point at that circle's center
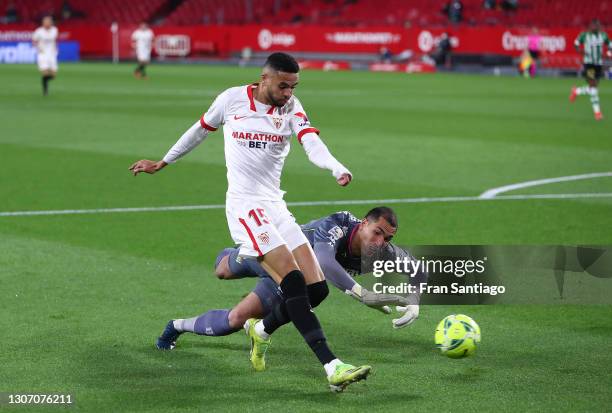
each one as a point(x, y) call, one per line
point(338, 276)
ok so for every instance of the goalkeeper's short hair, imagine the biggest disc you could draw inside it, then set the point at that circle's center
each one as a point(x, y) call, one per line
point(382, 211)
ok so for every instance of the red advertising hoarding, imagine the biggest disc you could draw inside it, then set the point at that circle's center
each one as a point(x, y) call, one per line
point(96, 40)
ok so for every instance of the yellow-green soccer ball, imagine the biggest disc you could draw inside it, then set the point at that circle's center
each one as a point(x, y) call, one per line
point(457, 336)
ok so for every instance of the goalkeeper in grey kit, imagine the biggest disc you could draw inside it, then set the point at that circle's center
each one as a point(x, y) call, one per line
point(343, 245)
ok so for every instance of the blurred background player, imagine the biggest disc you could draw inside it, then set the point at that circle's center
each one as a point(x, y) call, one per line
point(44, 40)
point(527, 65)
point(529, 58)
point(443, 53)
point(345, 246)
point(592, 42)
point(258, 121)
point(142, 42)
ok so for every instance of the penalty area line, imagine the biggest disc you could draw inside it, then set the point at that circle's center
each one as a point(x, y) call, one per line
point(446, 199)
point(494, 192)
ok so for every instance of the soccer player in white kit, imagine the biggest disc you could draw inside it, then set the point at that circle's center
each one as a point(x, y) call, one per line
point(45, 41)
point(142, 42)
point(258, 122)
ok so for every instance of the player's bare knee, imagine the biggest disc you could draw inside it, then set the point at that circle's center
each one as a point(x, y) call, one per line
point(220, 273)
point(237, 317)
point(222, 270)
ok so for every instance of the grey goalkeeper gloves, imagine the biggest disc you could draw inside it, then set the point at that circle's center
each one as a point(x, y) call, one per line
point(382, 303)
point(411, 313)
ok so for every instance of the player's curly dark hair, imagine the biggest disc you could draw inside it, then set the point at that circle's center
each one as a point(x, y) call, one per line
point(382, 211)
point(282, 62)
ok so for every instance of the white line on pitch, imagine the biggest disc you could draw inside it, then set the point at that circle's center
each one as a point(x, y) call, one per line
point(313, 203)
point(492, 193)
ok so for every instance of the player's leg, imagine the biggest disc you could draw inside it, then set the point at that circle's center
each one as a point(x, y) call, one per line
point(277, 315)
point(578, 91)
point(594, 94)
point(269, 295)
point(143, 69)
point(45, 82)
point(138, 72)
point(215, 323)
point(297, 261)
point(222, 264)
point(316, 286)
point(229, 265)
point(223, 321)
point(42, 68)
point(47, 65)
point(339, 374)
point(283, 267)
point(588, 72)
point(47, 76)
point(258, 235)
point(316, 289)
point(293, 285)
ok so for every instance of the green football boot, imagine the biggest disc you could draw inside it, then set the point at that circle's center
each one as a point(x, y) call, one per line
point(259, 346)
point(346, 374)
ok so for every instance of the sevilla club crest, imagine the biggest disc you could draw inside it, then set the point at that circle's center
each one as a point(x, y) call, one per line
point(278, 122)
point(264, 238)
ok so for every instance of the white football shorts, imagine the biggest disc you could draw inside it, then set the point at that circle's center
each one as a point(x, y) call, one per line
point(47, 61)
point(143, 55)
point(260, 226)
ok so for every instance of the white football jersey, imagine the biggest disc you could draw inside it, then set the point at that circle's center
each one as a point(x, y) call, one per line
point(46, 40)
point(143, 40)
point(257, 140)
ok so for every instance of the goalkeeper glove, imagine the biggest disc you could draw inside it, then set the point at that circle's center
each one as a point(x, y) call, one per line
point(379, 302)
point(411, 313)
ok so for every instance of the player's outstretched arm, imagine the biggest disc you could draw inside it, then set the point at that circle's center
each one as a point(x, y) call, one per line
point(319, 154)
point(338, 276)
point(190, 139)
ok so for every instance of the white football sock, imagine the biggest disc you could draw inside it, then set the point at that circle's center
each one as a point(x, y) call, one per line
point(178, 324)
point(185, 324)
point(260, 331)
point(330, 367)
point(583, 90)
point(594, 99)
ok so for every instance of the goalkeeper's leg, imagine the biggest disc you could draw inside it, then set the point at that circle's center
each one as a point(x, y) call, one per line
point(229, 265)
point(216, 323)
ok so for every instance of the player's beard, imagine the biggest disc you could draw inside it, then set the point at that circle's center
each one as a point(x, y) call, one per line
point(275, 102)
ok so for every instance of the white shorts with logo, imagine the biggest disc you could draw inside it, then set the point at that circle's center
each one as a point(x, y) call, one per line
point(47, 61)
point(260, 226)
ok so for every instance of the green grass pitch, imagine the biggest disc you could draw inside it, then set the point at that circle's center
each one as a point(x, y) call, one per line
point(83, 297)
